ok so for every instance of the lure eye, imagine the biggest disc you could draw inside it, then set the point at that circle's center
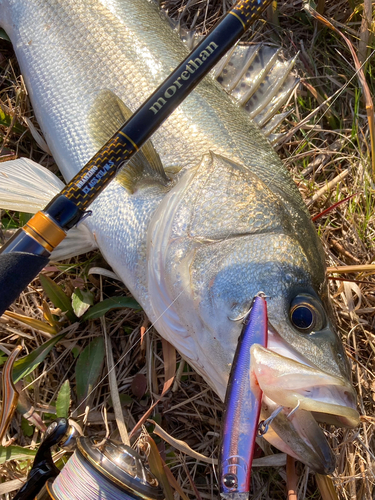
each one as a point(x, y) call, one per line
point(305, 314)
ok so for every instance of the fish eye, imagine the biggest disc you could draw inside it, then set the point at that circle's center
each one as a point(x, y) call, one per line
point(306, 315)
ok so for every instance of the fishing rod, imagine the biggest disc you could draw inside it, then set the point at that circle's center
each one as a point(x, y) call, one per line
point(28, 251)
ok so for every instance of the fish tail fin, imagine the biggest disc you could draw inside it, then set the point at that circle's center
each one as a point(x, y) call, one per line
point(260, 82)
point(26, 186)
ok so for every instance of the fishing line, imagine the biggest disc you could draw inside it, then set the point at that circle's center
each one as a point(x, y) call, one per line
point(92, 485)
point(58, 360)
point(98, 470)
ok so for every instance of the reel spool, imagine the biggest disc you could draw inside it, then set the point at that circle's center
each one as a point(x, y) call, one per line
point(108, 472)
point(114, 472)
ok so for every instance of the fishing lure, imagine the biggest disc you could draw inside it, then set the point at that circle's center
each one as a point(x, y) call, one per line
point(112, 471)
point(242, 407)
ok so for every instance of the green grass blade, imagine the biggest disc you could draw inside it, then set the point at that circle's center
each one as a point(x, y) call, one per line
point(26, 365)
point(63, 400)
point(108, 304)
point(89, 367)
point(57, 296)
point(15, 453)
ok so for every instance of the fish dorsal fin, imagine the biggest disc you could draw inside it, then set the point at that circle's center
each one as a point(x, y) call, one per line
point(188, 36)
point(106, 116)
point(255, 77)
point(252, 74)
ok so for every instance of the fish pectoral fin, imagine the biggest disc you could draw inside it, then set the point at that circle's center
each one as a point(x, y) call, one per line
point(107, 115)
point(149, 156)
point(144, 165)
point(26, 186)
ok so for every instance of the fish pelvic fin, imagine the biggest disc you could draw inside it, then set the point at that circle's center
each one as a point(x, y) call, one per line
point(26, 186)
point(107, 115)
point(78, 240)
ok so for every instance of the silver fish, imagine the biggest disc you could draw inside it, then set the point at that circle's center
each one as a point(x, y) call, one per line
point(193, 250)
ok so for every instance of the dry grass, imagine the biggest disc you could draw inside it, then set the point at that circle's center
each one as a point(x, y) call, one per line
point(334, 141)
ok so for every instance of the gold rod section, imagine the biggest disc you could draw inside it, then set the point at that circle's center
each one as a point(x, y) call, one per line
point(45, 231)
point(238, 17)
point(128, 138)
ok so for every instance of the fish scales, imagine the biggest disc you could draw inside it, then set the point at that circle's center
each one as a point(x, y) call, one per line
point(66, 58)
point(229, 223)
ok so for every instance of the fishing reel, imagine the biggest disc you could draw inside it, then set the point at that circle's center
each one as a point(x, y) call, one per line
point(107, 470)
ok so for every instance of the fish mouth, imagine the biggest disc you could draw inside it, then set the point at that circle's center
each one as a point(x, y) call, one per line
point(297, 395)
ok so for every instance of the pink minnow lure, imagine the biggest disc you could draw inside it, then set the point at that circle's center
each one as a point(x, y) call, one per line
point(242, 407)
